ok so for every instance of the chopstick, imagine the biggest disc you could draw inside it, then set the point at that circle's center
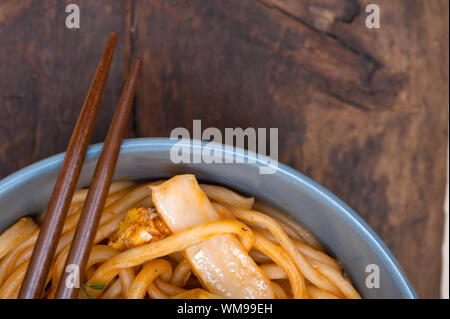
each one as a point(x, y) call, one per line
point(44, 250)
point(98, 191)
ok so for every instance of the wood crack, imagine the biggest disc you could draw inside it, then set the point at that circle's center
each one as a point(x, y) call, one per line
point(364, 55)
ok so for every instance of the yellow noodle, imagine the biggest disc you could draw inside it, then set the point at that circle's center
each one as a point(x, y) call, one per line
point(307, 270)
point(114, 291)
point(279, 256)
point(151, 270)
point(109, 222)
point(155, 293)
point(302, 231)
point(176, 242)
point(72, 220)
point(309, 252)
point(16, 234)
point(181, 273)
point(11, 286)
point(279, 291)
point(8, 262)
point(226, 196)
point(126, 277)
point(285, 251)
point(168, 288)
point(336, 278)
point(90, 272)
point(99, 254)
point(80, 196)
point(317, 293)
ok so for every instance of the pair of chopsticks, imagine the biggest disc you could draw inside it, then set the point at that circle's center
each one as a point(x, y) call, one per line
point(46, 244)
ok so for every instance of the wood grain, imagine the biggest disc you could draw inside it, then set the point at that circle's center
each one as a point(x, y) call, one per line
point(363, 112)
point(45, 72)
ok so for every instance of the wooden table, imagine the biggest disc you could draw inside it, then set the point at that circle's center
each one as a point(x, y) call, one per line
point(362, 111)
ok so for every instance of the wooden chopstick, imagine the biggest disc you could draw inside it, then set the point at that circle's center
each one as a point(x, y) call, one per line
point(44, 250)
point(98, 191)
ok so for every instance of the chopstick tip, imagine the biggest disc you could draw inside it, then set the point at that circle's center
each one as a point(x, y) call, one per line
point(136, 64)
point(113, 36)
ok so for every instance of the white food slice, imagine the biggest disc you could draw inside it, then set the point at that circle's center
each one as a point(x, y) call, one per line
point(221, 263)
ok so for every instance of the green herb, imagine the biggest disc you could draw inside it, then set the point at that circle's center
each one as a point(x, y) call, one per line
point(86, 293)
point(95, 287)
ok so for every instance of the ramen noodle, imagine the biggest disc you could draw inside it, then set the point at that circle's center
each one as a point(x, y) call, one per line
point(180, 239)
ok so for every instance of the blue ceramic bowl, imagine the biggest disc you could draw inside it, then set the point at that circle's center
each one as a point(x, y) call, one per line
point(344, 234)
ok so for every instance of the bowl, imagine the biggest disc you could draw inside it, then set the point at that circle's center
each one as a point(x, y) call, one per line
point(342, 232)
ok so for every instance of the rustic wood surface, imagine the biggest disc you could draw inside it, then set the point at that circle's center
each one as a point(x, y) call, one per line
point(362, 111)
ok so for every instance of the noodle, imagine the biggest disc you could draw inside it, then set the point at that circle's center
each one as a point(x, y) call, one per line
point(168, 288)
point(80, 195)
point(302, 231)
point(279, 291)
point(181, 273)
point(310, 253)
point(306, 268)
point(151, 270)
point(99, 254)
point(114, 291)
point(15, 235)
point(273, 271)
point(8, 262)
point(160, 265)
point(279, 256)
point(225, 196)
point(176, 242)
point(126, 276)
point(155, 293)
point(317, 293)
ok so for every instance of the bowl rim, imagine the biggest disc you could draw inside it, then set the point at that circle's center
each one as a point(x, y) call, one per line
point(286, 172)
